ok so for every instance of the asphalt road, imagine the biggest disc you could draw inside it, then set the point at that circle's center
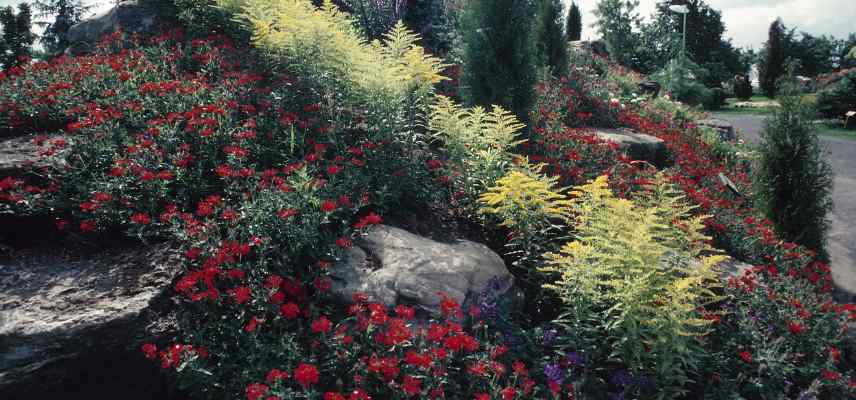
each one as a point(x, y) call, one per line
point(842, 237)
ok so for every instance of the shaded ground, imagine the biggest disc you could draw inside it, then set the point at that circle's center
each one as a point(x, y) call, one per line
point(842, 237)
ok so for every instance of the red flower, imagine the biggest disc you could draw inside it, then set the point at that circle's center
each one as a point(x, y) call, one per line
point(256, 390)
point(87, 225)
point(745, 356)
point(404, 311)
point(150, 350)
point(289, 310)
point(306, 375)
point(830, 375)
point(795, 328)
point(140, 218)
point(241, 294)
point(333, 396)
point(482, 396)
point(328, 206)
point(412, 386)
point(276, 375)
point(835, 354)
point(370, 219)
point(344, 243)
point(321, 325)
point(252, 324)
point(508, 393)
point(287, 213)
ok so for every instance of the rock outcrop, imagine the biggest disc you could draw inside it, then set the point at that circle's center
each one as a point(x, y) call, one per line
point(394, 266)
point(56, 307)
point(127, 15)
point(20, 154)
point(723, 128)
point(638, 146)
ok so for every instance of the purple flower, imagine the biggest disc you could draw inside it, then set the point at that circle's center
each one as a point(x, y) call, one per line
point(554, 373)
point(621, 378)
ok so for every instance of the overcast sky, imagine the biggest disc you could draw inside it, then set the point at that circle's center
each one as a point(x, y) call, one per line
point(746, 21)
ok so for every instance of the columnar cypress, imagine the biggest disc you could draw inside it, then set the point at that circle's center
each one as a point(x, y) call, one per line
point(574, 28)
point(793, 181)
point(772, 63)
point(499, 54)
point(551, 42)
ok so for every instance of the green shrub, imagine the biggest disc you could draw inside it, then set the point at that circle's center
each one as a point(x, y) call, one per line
point(202, 18)
point(793, 179)
point(678, 79)
point(742, 87)
point(836, 100)
point(551, 42)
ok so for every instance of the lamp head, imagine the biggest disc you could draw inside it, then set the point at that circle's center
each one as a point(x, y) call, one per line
point(680, 9)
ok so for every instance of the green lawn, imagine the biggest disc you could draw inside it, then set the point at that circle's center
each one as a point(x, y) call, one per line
point(836, 131)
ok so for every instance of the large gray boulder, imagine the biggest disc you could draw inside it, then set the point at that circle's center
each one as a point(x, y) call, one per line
point(129, 15)
point(638, 146)
point(56, 306)
point(393, 266)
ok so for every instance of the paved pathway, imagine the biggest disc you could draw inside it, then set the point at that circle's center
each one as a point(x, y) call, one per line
point(842, 237)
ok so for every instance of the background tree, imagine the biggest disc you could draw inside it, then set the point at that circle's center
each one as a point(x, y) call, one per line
point(706, 44)
point(845, 47)
point(17, 35)
point(816, 54)
point(615, 22)
point(772, 60)
point(436, 23)
point(551, 43)
point(793, 179)
point(574, 28)
point(742, 87)
point(57, 16)
point(499, 54)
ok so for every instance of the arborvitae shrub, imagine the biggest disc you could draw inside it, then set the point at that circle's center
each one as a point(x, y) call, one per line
point(499, 54)
point(552, 44)
point(793, 179)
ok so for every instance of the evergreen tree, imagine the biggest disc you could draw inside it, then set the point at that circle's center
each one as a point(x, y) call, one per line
point(574, 29)
point(793, 181)
point(742, 87)
point(772, 63)
point(64, 14)
point(615, 22)
point(499, 54)
point(17, 35)
point(551, 42)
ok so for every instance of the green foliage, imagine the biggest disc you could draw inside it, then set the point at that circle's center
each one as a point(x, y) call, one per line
point(631, 280)
point(679, 79)
point(64, 14)
point(839, 98)
point(574, 27)
point(375, 18)
point(742, 87)
point(772, 63)
point(477, 141)
point(499, 54)
point(551, 42)
point(205, 17)
point(616, 20)
point(793, 179)
point(17, 35)
point(436, 22)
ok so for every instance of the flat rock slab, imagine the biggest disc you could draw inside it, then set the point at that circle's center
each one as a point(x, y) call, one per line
point(55, 306)
point(724, 128)
point(638, 146)
point(393, 266)
point(21, 153)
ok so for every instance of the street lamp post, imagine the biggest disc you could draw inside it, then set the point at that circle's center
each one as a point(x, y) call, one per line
point(682, 9)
